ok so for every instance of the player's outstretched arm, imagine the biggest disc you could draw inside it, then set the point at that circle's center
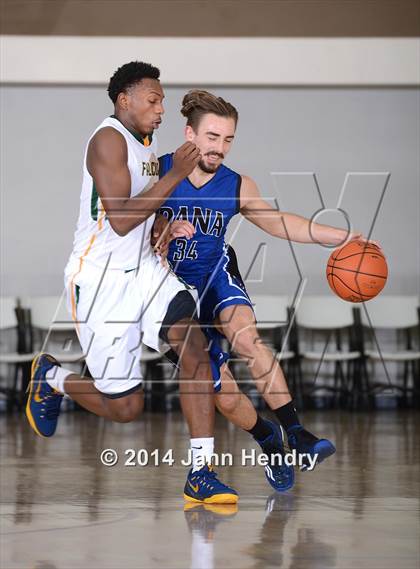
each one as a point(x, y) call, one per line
point(286, 225)
point(107, 164)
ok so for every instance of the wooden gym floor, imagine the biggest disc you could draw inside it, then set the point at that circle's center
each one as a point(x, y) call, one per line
point(62, 509)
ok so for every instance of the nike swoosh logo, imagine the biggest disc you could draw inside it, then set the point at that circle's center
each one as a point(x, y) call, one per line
point(195, 488)
point(197, 448)
point(37, 398)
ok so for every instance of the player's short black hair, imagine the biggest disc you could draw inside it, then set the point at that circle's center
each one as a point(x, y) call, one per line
point(129, 74)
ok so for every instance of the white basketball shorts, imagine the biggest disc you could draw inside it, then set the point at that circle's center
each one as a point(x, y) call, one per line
point(115, 312)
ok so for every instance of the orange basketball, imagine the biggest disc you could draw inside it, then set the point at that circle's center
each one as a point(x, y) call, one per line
point(357, 272)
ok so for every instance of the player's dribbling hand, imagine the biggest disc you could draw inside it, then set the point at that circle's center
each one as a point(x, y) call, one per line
point(185, 159)
point(355, 235)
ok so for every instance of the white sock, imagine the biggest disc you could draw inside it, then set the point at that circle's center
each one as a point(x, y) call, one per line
point(202, 548)
point(201, 452)
point(56, 377)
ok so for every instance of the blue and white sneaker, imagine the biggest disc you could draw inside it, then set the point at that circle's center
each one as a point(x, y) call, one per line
point(204, 486)
point(305, 443)
point(280, 476)
point(44, 402)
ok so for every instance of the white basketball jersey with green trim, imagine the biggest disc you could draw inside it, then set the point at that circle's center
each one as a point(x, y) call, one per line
point(95, 242)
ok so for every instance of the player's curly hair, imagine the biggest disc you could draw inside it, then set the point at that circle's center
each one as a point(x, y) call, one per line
point(198, 103)
point(129, 74)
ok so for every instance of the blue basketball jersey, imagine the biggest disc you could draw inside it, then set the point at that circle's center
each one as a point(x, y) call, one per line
point(209, 209)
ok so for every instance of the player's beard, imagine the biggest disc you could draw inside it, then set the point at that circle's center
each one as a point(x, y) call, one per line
point(208, 168)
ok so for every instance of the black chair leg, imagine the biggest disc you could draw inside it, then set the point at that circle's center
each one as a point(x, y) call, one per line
point(12, 399)
point(354, 372)
point(362, 396)
point(293, 383)
point(404, 395)
point(368, 389)
point(342, 388)
point(299, 378)
point(415, 370)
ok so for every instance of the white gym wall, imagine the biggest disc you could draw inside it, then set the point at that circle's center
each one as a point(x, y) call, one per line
point(323, 106)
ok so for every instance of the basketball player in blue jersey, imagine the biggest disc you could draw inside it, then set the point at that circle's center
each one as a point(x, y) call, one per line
point(208, 198)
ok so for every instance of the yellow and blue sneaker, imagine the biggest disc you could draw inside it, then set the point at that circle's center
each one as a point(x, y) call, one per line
point(204, 486)
point(204, 518)
point(44, 402)
point(279, 475)
point(305, 443)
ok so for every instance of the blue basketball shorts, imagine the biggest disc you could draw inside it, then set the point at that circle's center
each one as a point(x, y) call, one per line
point(222, 288)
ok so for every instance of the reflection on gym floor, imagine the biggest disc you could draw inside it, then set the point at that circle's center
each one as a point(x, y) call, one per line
point(62, 509)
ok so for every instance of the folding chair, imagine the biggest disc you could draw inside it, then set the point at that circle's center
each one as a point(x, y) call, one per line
point(55, 331)
point(334, 319)
point(273, 317)
point(17, 359)
point(398, 314)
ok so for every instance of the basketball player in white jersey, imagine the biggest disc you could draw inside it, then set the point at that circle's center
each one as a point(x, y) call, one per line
point(119, 293)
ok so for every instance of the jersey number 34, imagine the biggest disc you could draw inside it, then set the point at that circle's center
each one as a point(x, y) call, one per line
point(185, 250)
